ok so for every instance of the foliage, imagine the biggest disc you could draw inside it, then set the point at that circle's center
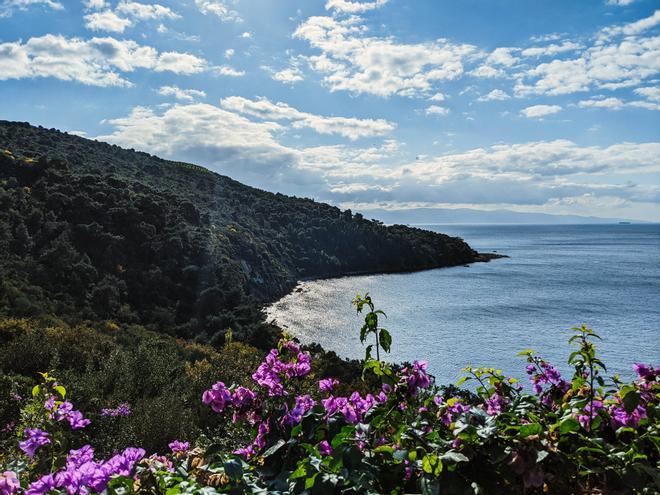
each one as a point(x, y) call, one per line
point(589, 434)
point(92, 231)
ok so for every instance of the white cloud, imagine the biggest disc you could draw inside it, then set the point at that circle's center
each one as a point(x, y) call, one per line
point(224, 70)
point(503, 56)
point(540, 174)
point(355, 62)
point(144, 11)
point(651, 93)
point(290, 75)
point(351, 128)
point(205, 134)
point(617, 104)
point(219, 9)
point(552, 49)
point(620, 3)
point(353, 7)
point(246, 35)
point(107, 21)
point(96, 62)
point(94, 4)
point(438, 97)
point(487, 72)
point(436, 110)
point(632, 28)
point(181, 94)
point(126, 14)
point(537, 111)
point(8, 7)
point(229, 53)
point(621, 56)
point(495, 95)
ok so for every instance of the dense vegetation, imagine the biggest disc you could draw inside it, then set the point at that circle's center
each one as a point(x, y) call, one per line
point(138, 283)
point(94, 231)
point(583, 434)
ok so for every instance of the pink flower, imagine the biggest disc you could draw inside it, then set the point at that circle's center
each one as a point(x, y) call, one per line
point(218, 397)
point(35, 438)
point(328, 384)
point(9, 483)
point(324, 448)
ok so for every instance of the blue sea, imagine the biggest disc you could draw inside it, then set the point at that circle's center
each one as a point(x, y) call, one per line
point(557, 276)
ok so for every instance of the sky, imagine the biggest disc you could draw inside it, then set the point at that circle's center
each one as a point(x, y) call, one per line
point(526, 105)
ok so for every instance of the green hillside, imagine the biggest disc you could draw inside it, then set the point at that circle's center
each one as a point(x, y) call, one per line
point(93, 231)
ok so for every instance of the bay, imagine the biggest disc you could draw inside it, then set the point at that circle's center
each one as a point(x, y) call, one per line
point(557, 276)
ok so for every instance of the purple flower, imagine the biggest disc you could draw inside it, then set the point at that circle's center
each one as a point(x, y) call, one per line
point(77, 458)
point(66, 412)
point(495, 403)
point(303, 404)
point(35, 438)
point(179, 447)
point(620, 417)
point(416, 377)
point(646, 372)
point(76, 420)
point(324, 448)
point(43, 485)
point(123, 410)
point(590, 413)
point(328, 384)
point(243, 397)
point(9, 483)
point(218, 397)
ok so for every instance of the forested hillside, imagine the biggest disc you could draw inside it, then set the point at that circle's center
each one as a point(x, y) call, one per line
point(92, 231)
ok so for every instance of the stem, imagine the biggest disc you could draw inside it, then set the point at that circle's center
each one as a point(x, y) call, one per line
point(377, 346)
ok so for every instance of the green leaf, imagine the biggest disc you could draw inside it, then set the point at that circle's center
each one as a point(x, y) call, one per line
point(431, 464)
point(385, 340)
point(35, 390)
point(631, 401)
point(530, 429)
point(569, 425)
point(277, 446)
point(60, 390)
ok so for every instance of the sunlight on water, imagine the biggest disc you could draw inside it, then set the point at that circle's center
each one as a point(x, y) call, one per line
point(558, 276)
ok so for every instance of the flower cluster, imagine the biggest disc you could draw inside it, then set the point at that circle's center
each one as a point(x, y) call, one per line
point(61, 411)
point(353, 408)
point(416, 377)
point(123, 410)
point(273, 371)
point(179, 447)
point(82, 474)
point(9, 483)
point(35, 438)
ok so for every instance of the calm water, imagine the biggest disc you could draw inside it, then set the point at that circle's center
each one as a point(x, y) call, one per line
point(606, 276)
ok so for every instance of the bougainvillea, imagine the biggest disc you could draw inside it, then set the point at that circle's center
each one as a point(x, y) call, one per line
point(400, 434)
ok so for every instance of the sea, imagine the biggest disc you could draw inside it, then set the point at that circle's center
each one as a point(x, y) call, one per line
point(556, 277)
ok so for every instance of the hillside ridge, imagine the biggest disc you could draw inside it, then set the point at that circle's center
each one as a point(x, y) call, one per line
point(173, 245)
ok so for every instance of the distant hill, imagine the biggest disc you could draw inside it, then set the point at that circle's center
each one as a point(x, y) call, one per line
point(421, 216)
point(93, 231)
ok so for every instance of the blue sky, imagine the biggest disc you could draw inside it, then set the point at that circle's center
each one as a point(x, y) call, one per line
point(532, 106)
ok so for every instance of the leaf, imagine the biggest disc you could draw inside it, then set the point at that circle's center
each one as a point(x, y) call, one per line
point(35, 390)
point(462, 380)
point(530, 429)
point(454, 457)
point(631, 401)
point(385, 340)
point(278, 445)
point(60, 390)
point(233, 469)
point(431, 464)
point(569, 425)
